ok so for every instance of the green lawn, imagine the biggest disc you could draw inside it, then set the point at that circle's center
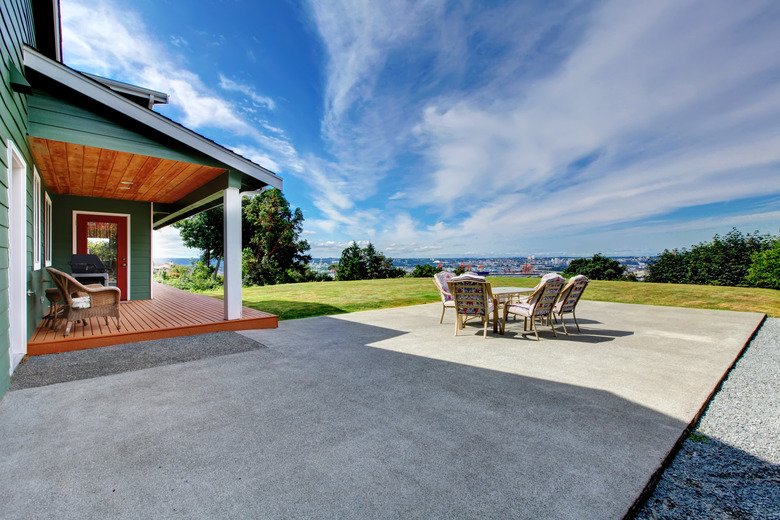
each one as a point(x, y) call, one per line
point(302, 300)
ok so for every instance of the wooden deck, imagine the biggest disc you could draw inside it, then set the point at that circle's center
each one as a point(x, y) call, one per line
point(171, 313)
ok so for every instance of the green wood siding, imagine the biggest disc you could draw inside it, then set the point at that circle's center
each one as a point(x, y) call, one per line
point(140, 273)
point(63, 117)
point(16, 29)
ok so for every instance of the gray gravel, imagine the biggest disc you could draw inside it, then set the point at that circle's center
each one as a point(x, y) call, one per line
point(729, 467)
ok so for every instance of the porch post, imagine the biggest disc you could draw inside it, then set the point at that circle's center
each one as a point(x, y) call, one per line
point(231, 204)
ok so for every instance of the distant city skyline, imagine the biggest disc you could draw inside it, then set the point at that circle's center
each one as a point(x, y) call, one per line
point(502, 128)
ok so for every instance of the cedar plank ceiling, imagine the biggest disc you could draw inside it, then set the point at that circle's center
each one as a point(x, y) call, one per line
point(73, 169)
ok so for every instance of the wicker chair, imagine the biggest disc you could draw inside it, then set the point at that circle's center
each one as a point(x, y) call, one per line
point(568, 298)
point(441, 280)
point(85, 301)
point(473, 299)
point(539, 305)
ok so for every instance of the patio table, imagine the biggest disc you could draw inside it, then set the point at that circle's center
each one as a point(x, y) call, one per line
point(503, 294)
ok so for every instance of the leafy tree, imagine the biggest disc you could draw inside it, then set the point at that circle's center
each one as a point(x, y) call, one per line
point(765, 268)
point(277, 253)
point(597, 268)
point(365, 264)
point(425, 271)
point(205, 231)
point(669, 267)
point(724, 261)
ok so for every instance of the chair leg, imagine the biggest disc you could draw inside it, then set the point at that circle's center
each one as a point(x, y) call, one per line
point(550, 323)
point(533, 324)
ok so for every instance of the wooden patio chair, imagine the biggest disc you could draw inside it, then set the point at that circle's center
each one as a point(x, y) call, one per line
point(441, 280)
point(85, 301)
point(473, 299)
point(568, 298)
point(539, 305)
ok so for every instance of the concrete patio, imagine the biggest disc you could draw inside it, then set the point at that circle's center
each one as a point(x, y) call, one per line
point(378, 414)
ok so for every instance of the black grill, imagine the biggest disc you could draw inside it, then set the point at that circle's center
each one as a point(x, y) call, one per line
point(86, 264)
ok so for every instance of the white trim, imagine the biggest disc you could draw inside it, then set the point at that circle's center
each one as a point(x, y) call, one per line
point(231, 208)
point(76, 213)
point(47, 233)
point(104, 95)
point(17, 255)
point(36, 219)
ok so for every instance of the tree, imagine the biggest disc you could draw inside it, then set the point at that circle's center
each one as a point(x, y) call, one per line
point(205, 231)
point(365, 264)
point(765, 268)
point(668, 267)
point(352, 266)
point(425, 271)
point(597, 268)
point(276, 254)
point(723, 261)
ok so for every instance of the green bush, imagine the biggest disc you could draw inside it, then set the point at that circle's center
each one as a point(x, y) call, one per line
point(425, 271)
point(597, 268)
point(765, 268)
point(724, 261)
point(199, 277)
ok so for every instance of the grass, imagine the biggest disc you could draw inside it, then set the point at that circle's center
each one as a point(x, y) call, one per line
point(292, 301)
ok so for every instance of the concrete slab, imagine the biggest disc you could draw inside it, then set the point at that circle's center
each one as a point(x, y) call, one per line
point(380, 414)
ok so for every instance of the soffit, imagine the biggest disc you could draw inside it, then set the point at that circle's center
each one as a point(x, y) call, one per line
point(73, 169)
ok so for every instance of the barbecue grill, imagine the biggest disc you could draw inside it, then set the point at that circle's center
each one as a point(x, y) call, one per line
point(90, 267)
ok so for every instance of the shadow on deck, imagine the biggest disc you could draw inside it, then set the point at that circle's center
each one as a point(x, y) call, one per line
point(171, 313)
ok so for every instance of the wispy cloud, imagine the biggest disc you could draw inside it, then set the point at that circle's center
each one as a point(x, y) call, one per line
point(247, 90)
point(101, 38)
point(639, 110)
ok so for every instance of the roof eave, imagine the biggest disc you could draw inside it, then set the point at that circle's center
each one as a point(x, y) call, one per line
point(105, 96)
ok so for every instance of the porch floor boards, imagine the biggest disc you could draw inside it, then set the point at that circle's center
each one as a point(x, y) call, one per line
point(171, 313)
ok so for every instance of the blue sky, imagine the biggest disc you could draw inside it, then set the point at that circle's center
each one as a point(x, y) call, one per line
point(436, 128)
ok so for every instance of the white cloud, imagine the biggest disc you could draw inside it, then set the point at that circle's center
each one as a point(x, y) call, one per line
point(102, 38)
point(247, 90)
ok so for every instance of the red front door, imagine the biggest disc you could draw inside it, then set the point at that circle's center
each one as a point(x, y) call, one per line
point(106, 237)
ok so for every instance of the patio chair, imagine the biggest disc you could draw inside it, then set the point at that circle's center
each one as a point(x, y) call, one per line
point(473, 299)
point(82, 302)
point(568, 298)
point(539, 305)
point(441, 281)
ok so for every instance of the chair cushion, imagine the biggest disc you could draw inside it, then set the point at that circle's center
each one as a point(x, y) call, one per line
point(82, 302)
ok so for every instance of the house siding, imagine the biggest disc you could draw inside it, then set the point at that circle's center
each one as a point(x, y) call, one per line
point(59, 118)
point(16, 29)
point(140, 252)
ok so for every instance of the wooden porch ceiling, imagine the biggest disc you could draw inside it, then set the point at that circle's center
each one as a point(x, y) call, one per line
point(72, 169)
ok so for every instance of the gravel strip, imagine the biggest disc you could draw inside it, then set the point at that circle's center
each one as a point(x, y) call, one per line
point(729, 467)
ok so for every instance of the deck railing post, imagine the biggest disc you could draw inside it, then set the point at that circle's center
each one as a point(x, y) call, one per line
point(232, 252)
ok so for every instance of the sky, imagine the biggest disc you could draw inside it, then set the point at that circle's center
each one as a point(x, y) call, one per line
point(434, 128)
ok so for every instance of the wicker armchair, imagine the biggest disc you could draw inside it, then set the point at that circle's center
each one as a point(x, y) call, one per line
point(539, 305)
point(567, 300)
point(473, 299)
point(441, 280)
point(83, 302)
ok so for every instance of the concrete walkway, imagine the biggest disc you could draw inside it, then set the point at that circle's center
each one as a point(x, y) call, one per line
point(379, 414)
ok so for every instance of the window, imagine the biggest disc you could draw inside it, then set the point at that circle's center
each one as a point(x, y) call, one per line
point(36, 194)
point(46, 230)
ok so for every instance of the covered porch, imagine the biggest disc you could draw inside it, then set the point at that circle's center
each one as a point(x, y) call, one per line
point(104, 157)
point(170, 313)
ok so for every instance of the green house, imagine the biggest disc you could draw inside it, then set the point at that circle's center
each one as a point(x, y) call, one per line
point(86, 160)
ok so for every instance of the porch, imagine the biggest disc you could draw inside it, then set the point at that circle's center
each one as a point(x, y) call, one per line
point(171, 313)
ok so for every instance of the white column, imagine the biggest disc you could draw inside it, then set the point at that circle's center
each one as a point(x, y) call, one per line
point(231, 204)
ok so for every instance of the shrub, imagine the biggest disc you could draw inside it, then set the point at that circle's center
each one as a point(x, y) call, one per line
point(597, 268)
point(425, 271)
point(765, 268)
